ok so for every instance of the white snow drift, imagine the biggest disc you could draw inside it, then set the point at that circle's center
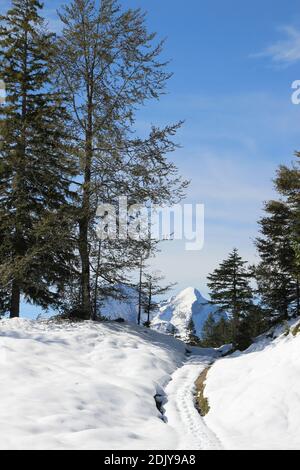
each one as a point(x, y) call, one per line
point(255, 396)
point(84, 386)
point(92, 386)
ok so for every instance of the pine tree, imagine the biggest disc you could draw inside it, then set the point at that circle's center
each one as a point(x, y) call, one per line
point(277, 284)
point(287, 184)
point(229, 285)
point(216, 333)
point(230, 289)
point(140, 287)
point(108, 66)
point(191, 334)
point(278, 273)
point(35, 216)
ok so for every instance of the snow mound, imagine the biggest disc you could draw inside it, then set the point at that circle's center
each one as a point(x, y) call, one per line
point(84, 386)
point(175, 314)
point(254, 397)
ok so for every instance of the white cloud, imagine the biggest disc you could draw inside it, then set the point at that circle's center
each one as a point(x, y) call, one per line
point(285, 51)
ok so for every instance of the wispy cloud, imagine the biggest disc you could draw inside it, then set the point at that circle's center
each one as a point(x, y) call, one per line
point(285, 51)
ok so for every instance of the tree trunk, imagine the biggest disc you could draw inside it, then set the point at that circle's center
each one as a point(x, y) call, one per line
point(149, 304)
point(140, 293)
point(96, 281)
point(87, 311)
point(85, 271)
point(298, 297)
point(15, 301)
point(19, 248)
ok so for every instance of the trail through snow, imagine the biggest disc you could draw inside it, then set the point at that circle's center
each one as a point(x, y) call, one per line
point(180, 411)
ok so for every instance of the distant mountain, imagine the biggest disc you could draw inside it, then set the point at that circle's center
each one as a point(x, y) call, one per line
point(175, 314)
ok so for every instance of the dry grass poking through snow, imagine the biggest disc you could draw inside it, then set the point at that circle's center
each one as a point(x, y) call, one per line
point(296, 330)
point(202, 404)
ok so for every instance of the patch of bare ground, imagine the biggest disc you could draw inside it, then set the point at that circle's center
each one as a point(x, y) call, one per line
point(201, 401)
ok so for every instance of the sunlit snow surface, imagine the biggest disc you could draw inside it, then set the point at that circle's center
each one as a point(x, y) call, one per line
point(92, 386)
point(84, 386)
point(255, 396)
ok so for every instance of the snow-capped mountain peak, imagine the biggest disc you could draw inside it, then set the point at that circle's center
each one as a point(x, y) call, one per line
point(175, 314)
point(191, 294)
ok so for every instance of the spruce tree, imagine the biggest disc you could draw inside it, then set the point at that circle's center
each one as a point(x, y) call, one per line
point(216, 333)
point(229, 285)
point(277, 284)
point(278, 273)
point(287, 184)
point(209, 336)
point(230, 289)
point(191, 334)
point(35, 216)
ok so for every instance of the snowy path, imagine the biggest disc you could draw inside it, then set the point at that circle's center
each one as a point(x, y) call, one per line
point(180, 412)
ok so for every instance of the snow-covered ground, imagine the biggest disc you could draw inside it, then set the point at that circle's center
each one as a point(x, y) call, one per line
point(194, 433)
point(255, 396)
point(92, 386)
point(88, 386)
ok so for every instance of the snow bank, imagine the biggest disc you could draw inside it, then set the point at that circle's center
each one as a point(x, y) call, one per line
point(84, 386)
point(255, 397)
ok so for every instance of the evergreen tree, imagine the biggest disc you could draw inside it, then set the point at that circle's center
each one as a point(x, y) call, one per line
point(140, 287)
point(278, 273)
point(108, 65)
point(216, 333)
point(229, 285)
point(287, 184)
point(230, 289)
point(191, 335)
point(209, 337)
point(277, 283)
point(35, 220)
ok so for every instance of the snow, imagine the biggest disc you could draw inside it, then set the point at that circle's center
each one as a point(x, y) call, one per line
point(92, 386)
point(180, 409)
point(177, 312)
point(87, 386)
point(125, 307)
point(255, 396)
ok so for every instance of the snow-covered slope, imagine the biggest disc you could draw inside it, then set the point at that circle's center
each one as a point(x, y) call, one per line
point(255, 396)
point(125, 307)
point(175, 314)
point(84, 386)
point(92, 386)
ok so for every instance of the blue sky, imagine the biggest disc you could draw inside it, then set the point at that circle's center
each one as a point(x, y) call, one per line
point(233, 63)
